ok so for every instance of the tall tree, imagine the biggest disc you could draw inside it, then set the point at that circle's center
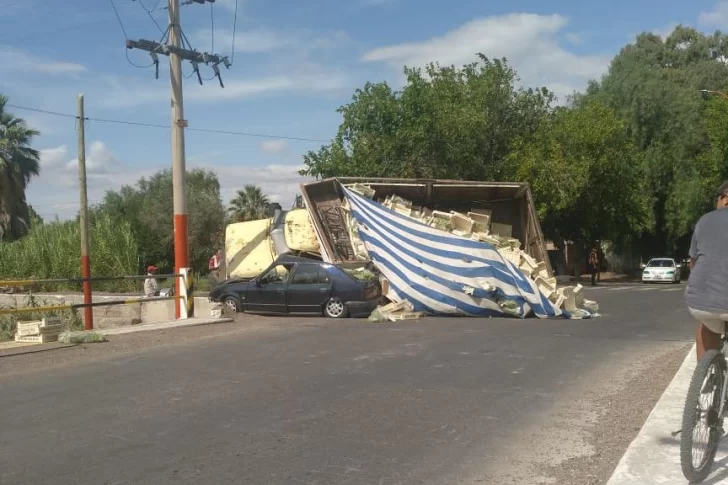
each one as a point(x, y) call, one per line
point(654, 85)
point(249, 204)
point(446, 122)
point(18, 164)
point(147, 207)
point(586, 175)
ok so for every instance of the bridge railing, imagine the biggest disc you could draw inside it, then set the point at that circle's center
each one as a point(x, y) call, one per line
point(185, 307)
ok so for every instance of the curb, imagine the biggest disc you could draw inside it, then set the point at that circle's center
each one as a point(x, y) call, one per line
point(653, 457)
point(192, 322)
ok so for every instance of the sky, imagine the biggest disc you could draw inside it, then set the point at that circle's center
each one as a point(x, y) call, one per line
point(294, 62)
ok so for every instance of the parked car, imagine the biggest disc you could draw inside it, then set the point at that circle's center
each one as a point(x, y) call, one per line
point(302, 286)
point(661, 270)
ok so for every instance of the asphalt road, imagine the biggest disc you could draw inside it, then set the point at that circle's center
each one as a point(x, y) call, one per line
point(313, 401)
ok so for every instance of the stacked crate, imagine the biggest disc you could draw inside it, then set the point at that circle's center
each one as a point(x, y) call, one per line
point(39, 332)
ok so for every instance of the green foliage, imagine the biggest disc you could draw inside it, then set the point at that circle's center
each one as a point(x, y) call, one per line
point(249, 204)
point(586, 176)
point(654, 86)
point(446, 122)
point(52, 251)
point(473, 123)
point(18, 164)
point(147, 208)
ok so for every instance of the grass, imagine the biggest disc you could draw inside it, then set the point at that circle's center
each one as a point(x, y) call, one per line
point(8, 323)
point(53, 251)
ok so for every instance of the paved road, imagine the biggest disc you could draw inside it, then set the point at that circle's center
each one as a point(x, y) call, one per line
point(319, 402)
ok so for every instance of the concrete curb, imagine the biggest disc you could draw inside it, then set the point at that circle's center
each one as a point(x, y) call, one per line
point(654, 456)
point(192, 322)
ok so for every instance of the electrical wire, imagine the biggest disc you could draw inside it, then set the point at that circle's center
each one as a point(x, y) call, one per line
point(212, 26)
point(167, 127)
point(149, 13)
point(235, 24)
point(118, 17)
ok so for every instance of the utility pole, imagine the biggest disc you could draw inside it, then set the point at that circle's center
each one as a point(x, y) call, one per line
point(181, 248)
point(88, 314)
point(177, 52)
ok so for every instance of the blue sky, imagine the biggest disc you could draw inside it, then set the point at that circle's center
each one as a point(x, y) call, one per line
point(295, 63)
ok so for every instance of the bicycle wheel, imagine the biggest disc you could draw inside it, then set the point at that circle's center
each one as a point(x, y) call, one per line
point(701, 425)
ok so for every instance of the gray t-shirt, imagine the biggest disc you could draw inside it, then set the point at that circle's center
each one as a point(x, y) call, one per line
point(708, 284)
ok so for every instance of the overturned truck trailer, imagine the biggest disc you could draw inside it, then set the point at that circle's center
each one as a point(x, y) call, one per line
point(446, 247)
point(509, 205)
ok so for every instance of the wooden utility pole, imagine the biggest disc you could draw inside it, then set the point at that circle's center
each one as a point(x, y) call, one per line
point(88, 320)
point(176, 52)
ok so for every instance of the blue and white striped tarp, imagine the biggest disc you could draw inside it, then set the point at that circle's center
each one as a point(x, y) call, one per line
point(433, 269)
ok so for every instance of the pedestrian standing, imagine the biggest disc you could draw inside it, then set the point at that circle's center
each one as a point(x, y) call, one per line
point(151, 287)
point(594, 265)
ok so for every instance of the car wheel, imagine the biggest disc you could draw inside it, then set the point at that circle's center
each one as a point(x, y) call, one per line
point(232, 304)
point(335, 308)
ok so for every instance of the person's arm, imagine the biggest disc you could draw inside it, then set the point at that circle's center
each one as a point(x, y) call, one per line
point(693, 253)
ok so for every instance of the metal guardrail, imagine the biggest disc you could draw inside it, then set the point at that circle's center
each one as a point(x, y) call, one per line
point(75, 306)
point(186, 288)
point(29, 282)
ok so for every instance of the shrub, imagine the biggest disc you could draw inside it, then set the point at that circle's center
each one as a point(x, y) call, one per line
point(53, 250)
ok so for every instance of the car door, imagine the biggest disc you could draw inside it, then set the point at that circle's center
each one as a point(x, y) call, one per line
point(309, 289)
point(267, 293)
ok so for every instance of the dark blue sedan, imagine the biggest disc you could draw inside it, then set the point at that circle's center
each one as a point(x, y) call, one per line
point(300, 286)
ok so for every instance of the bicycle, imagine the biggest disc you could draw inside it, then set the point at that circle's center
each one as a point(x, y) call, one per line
point(706, 401)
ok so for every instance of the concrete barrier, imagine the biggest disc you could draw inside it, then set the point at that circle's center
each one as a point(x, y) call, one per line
point(112, 316)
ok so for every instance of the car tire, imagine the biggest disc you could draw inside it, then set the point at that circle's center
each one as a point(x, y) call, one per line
point(233, 304)
point(335, 308)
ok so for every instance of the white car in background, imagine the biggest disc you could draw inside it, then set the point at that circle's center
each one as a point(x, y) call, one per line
point(661, 270)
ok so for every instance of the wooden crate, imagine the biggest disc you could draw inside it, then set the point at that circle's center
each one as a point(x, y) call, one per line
point(38, 339)
point(38, 327)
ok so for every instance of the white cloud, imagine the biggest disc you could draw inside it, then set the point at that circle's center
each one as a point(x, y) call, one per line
point(574, 38)
point(530, 42)
point(274, 146)
point(55, 191)
point(18, 61)
point(53, 157)
point(718, 17)
point(263, 39)
point(99, 160)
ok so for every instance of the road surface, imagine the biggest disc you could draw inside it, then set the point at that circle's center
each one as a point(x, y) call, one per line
point(314, 401)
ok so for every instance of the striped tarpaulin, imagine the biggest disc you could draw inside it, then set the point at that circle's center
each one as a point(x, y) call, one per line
point(441, 273)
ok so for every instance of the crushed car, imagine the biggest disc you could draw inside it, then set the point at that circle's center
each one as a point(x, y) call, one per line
point(297, 285)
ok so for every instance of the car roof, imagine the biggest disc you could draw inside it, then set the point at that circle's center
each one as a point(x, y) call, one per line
point(287, 258)
point(662, 259)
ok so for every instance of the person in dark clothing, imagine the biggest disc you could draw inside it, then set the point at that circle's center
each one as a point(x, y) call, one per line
point(594, 265)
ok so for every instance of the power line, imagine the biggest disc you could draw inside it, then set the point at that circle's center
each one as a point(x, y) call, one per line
point(167, 127)
point(118, 17)
point(235, 24)
point(149, 13)
point(212, 26)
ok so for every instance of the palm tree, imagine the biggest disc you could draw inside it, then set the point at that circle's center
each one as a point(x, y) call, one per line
point(250, 204)
point(18, 164)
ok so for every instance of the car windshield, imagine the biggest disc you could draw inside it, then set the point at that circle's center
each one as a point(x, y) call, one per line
point(660, 263)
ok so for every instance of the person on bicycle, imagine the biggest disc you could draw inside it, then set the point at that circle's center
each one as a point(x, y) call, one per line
point(706, 294)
